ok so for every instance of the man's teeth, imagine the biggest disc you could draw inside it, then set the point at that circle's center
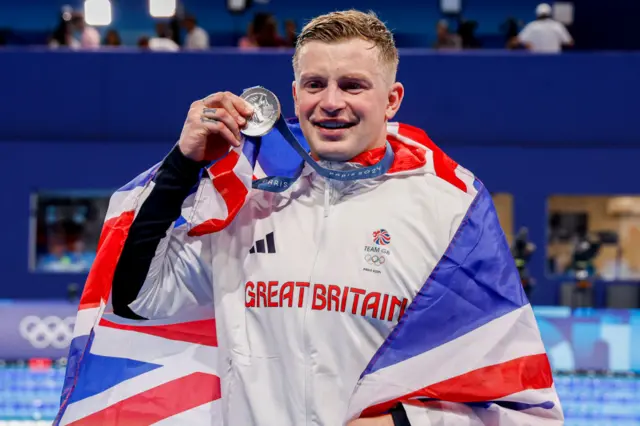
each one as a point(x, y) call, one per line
point(333, 125)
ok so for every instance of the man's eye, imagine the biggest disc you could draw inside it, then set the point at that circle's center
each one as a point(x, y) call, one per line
point(313, 85)
point(353, 86)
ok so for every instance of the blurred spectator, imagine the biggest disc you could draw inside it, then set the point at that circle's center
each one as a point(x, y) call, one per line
point(143, 42)
point(89, 36)
point(290, 32)
point(265, 31)
point(112, 38)
point(66, 249)
point(163, 41)
point(467, 32)
point(545, 35)
point(445, 39)
point(197, 38)
point(248, 41)
point(511, 28)
point(175, 25)
point(63, 36)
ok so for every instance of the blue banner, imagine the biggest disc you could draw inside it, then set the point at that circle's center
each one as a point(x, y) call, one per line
point(36, 329)
point(591, 339)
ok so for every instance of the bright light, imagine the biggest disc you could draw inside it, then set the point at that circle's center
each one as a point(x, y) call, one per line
point(162, 8)
point(97, 12)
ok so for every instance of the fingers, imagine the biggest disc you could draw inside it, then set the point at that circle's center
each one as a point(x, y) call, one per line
point(214, 126)
point(242, 106)
point(219, 114)
point(239, 109)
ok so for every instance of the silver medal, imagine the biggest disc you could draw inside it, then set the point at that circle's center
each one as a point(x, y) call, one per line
point(266, 111)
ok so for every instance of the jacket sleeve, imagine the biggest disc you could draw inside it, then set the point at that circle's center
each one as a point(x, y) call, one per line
point(161, 270)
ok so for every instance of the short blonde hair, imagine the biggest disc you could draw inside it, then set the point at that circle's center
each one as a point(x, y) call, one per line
point(350, 24)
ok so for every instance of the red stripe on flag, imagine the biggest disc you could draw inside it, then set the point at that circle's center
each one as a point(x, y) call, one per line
point(114, 234)
point(201, 332)
point(443, 165)
point(158, 403)
point(484, 384)
point(84, 306)
point(232, 190)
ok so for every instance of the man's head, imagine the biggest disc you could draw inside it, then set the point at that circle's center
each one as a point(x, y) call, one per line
point(345, 91)
point(543, 11)
point(189, 23)
point(77, 21)
point(442, 28)
point(162, 30)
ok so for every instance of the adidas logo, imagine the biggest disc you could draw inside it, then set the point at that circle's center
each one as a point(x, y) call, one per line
point(259, 246)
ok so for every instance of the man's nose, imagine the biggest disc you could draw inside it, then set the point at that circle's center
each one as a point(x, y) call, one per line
point(332, 100)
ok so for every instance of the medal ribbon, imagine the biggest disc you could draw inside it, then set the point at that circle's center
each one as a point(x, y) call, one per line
point(280, 183)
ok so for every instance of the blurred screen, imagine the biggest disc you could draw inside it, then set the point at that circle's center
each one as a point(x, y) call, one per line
point(65, 229)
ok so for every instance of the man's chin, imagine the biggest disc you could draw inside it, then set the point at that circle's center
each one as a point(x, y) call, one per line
point(334, 151)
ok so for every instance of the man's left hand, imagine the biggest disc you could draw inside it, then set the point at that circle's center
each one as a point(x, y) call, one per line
point(373, 421)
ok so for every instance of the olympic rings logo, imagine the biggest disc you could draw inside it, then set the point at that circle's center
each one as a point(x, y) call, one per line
point(374, 260)
point(48, 331)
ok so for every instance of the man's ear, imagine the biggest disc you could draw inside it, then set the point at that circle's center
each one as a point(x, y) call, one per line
point(396, 94)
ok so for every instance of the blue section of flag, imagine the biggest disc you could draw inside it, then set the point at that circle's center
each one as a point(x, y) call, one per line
point(111, 372)
point(76, 349)
point(276, 157)
point(250, 150)
point(141, 180)
point(79, 345)
point(180, 221)
point(511, 405)
point(475, 282)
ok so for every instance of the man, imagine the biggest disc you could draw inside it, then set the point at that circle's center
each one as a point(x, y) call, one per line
point(162, 42)
point(197, 38)
point(445, 39)
point(89, 36)
point(544, 35)
point(309, 284)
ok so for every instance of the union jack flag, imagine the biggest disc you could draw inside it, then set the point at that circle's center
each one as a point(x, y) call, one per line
point(129, 372)
point(466, 352)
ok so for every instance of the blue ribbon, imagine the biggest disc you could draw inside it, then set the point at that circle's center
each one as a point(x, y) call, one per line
point(280, 183)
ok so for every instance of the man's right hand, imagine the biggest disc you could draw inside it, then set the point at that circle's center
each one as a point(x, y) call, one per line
point(212, 124)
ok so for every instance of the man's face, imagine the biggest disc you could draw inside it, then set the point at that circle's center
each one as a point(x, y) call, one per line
point(344, 97)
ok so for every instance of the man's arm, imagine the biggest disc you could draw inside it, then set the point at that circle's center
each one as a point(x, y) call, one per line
point(524, 37)
point(161, 270)
point(565, 37)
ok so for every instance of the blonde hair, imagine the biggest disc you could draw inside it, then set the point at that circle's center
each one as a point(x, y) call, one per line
point(350, 24)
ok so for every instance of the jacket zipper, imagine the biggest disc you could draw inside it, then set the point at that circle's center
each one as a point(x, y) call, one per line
point(327, 201)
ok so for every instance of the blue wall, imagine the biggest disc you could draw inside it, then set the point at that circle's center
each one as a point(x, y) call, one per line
point(528, 125)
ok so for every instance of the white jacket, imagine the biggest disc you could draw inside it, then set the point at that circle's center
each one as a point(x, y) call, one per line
point(308, 283)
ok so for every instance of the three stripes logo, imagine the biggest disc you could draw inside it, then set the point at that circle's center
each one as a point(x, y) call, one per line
point(261, 247)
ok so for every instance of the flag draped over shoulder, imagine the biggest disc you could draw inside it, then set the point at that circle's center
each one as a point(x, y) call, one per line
point(467, 347)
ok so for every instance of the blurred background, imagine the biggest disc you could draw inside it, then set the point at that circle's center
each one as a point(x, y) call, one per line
point(538, 100)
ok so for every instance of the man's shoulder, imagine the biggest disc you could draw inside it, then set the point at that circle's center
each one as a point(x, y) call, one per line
point(437, 166)
point(200, 32)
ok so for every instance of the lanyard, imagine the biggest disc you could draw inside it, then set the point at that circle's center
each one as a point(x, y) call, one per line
point(280, 183)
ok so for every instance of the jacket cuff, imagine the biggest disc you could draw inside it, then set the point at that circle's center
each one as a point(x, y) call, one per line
point(182, 170)
point(399, 416)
